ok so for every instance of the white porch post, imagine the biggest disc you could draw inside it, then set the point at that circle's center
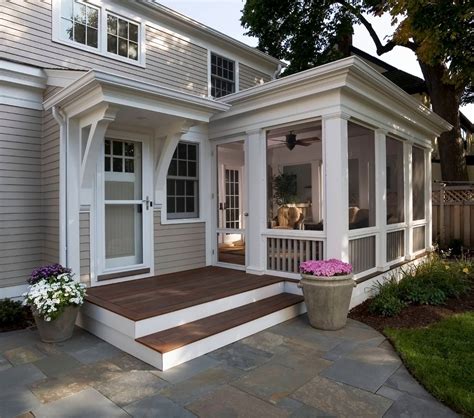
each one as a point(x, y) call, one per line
point(255, 156)
point(73, 196)
point(336, 181)
point(381, 198)
point(428, 197)
point(409, 200)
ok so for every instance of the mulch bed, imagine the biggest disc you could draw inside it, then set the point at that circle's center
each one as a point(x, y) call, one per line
point(25, 322)
point(413, 316)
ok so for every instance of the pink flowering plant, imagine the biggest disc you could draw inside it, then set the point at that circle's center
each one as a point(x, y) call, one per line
point(325, 268)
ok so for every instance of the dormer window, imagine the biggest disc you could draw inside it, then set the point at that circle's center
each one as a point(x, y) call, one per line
point(80, 22)
point(222, 76)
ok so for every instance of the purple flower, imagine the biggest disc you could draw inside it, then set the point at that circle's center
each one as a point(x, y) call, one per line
point(45, 272)
point(326, 268)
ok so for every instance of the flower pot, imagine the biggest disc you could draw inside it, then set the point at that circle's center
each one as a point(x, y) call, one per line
point(59, 329)
point(327, 300)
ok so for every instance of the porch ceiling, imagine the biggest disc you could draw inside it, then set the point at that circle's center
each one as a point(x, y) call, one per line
point(95, 88)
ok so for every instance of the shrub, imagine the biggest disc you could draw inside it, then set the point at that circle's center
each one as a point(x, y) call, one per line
point(429, 283)
point(11, 313)
point(387, 302)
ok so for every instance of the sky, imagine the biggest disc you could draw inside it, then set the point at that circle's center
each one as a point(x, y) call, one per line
point(224, 16)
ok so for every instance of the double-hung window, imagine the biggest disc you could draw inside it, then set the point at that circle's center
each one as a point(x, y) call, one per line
point(122, 37)
point(222, 76)
point(80, 22)
point(98, 29)
point(182, 185)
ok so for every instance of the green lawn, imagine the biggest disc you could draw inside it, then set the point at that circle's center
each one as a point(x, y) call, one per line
point(442, 358)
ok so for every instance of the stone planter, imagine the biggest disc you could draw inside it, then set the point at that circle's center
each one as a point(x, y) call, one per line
point(327, 300)
point(60, 329)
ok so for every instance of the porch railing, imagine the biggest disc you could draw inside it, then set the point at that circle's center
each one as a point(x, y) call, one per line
point(286, 254)
point(362, 253)
point(395, 245)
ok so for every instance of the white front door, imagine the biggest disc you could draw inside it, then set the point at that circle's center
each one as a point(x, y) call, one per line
point(126, 209)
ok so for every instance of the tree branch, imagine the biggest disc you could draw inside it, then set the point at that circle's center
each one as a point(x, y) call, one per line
point(381, 49)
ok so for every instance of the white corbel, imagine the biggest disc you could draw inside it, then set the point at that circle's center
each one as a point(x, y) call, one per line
point(102, 118)
point(170, 142)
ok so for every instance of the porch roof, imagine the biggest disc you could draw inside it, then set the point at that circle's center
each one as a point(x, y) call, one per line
point(350, 74)
point(95, 87)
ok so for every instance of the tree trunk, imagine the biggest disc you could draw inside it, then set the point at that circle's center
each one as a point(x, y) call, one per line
point(445, 102)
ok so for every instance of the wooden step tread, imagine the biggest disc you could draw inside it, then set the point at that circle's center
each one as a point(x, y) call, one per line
point(173, 338)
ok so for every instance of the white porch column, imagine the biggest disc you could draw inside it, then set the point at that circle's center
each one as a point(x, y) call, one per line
point(255, 162)
point(381, 198)
point(428, 198)
point(409, 200)
point(336, 181)
point(73, 196)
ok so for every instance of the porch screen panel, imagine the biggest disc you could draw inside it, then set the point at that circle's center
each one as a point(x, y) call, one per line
point(395, 181)
point(418, 189)
point(362, 254)
point(123, 226)
point(419, 238)
point(361, 164)
point(395, 245)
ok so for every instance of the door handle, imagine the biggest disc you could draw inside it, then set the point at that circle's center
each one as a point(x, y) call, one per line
point(246, 214)
point(148, 203)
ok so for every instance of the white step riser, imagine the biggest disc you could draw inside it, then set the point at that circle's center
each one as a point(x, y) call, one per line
point(206, 345)
point(183, 354)
point(120, 340)
point(193, 313)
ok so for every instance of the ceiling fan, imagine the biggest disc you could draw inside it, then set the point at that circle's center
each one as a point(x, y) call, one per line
point(291, 141)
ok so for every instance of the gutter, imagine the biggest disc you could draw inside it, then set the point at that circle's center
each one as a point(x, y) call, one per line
point(62, 121)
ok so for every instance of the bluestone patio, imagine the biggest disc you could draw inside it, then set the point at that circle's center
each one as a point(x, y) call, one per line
point(290, 370)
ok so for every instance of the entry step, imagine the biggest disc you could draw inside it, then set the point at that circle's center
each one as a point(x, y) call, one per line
point(183, 335)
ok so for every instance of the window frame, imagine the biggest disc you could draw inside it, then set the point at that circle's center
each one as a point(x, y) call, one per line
point(101, 50)
point(176, 216)
point(211, 75)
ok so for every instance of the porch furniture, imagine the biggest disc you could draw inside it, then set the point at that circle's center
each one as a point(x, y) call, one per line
point(288, 217)
point(358, 218)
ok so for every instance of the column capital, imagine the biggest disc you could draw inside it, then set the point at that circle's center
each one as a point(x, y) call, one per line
point(336, 115)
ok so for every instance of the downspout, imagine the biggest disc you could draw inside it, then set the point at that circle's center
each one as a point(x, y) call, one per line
point(62, 121)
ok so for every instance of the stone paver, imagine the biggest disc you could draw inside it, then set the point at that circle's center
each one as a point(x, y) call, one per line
point(131, 386)
point(157, 406)
point(200, 385)
point(55, 388)
point(241, 356)
point(411, 406)
point(231, 402)
point(57, 364)
point(17, 400)
point(22, 375)
point(88, 403)
point(334, 398)
point(290, 370)
point(273, 382)
point(22, 355)
point(187, 370)
point(366, 368)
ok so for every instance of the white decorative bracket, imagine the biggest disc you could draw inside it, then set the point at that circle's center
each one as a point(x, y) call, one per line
point(100, 122)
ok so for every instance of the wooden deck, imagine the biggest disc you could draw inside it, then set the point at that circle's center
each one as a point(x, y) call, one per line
point(145, 298)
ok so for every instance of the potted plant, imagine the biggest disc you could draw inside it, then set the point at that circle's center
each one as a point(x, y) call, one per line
point(54, 298)
point(327, 289)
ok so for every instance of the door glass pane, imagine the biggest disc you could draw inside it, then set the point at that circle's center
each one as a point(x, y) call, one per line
point(124, 181)
point(231, 185)
point(123, 235)
point(231, 248)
